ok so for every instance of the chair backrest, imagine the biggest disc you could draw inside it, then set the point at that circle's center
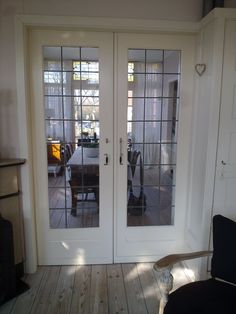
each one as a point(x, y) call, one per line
point(66, 153)
point(132, 158)
point(69, 150)
point(224, 253)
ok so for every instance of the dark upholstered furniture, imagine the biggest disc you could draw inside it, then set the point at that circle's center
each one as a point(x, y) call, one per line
point(212, 296)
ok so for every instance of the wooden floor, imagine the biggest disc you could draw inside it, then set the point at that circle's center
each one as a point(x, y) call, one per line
point(115, 288)
point(158, 199)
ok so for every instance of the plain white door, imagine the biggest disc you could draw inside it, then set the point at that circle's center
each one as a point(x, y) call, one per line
point(225, 180)
point(72, 95)
point(153, 108)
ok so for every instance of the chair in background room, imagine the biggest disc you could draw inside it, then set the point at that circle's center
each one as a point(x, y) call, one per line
point(212, 296)
point(82, 182)
point(69, 149)
point(54, 157)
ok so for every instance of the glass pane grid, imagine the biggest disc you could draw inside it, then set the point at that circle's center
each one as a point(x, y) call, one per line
point(71, 93)
point(152, 119)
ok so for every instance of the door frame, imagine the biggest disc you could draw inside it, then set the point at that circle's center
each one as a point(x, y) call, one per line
point(23, 24)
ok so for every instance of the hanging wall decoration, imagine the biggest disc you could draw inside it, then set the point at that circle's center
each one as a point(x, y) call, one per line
point(200, 68)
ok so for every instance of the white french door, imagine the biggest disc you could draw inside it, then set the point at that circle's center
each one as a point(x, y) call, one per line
point(72, 96)
point(129, 202)
point(153, 117)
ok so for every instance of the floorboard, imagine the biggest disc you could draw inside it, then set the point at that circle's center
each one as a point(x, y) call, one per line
point(81, 292)
point(149, 286)
point(158, 210)
point(134, 292)
point(91, 289)
point(45, 298)
point(116, 290)
point(98, 294)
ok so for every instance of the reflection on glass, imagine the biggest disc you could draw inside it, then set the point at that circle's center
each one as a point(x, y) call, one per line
point(71, 93)
point(152, 117)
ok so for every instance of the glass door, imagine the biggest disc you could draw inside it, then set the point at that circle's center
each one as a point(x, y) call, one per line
point(153, 74)
point(152, 119)
point(72, 89)
point(71, 101)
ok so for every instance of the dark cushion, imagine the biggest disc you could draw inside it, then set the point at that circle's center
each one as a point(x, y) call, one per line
point(223, 264)
point(203, 297)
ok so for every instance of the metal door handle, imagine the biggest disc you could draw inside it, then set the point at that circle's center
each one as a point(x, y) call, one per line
point(121, 151)
point(106, 159)
point(222, 170)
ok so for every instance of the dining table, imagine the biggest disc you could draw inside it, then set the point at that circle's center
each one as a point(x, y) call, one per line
point(82, 173)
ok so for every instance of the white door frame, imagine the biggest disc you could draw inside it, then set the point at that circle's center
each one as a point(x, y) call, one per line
point(23, 23)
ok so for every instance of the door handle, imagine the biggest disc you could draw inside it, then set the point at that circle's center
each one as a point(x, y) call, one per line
point(222, 164)
point(106, 160)
point(121, 151)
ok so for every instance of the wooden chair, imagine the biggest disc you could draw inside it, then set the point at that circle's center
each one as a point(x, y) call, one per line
point(69, 150)
point(83, 181)
point(213, 296)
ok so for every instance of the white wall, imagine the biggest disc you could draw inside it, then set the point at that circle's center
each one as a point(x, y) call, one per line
point(200, 130)
point(191, 10)
point(8, 113)
point(150, 9)
point(205, 136)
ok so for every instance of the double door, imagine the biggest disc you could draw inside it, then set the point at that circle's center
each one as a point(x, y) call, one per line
point(115, 109)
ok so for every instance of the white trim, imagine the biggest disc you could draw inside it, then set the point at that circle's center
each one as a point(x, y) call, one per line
point(219, 29)
point(24, 148)
point(228, 13)
point(111, 24)
point(223, 13)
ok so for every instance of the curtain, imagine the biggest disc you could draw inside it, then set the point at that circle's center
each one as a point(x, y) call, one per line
point(147, 87)
point(58, 103)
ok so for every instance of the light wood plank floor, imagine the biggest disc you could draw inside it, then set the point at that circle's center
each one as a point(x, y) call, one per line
point(158, 211)
point(105, 289)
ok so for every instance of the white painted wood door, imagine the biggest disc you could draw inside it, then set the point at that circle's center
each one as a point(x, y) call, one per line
point(67, 245)
point(225, 180)
point(158, 84)
point(119, 236)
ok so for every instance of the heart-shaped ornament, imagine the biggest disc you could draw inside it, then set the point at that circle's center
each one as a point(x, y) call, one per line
point(200, 68)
